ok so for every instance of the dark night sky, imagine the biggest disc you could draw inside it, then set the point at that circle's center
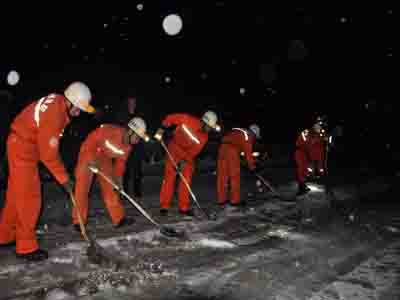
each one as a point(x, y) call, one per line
point(293, 61)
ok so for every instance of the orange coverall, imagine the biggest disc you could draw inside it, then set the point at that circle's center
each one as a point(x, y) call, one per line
point(187, 142)
point(228, 166)
point(309, 149)
point(102, 145)
point(34, 137)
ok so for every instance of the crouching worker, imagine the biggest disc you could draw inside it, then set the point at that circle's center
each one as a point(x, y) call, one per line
point(108, 148)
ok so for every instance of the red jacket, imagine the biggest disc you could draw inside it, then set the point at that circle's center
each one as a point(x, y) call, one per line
point(317, 146)
point(312, 144)
point(107, 140)
point(243, 141)
point(189, 138)
point(41, 125)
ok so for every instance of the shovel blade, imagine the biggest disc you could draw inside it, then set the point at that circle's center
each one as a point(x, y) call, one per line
point(98, 255)
point(171, 232)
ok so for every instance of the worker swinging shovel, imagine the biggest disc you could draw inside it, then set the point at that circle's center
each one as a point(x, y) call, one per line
point(208, 216)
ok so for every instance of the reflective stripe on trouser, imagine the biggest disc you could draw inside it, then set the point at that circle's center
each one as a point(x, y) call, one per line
point(23, 198)
point(84, 178)
point(168, 184)
point(302, 163)
point(228, 173)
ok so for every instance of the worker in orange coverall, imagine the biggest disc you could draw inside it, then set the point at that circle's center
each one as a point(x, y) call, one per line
point(189, 138)
point(34, 137)
point(108, 148)
point(309, 154)
point(235, 142)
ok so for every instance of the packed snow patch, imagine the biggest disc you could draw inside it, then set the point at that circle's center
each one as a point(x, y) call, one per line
point(148, 236)
point(61, 260)
point(75, 246)
point(286, 233)
point(213, 243)
point(59, 294)
point(11, 269)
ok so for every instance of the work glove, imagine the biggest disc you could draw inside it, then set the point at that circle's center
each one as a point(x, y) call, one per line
point(119, 182)
point(93, 164)
point(265, 156)
point(255, 170)
point(69, 186)
point(180, 165)
point(159, 134)
point(305, 133)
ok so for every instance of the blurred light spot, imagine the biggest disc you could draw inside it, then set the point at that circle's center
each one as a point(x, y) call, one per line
point(315, 188)
point(172, 24)
point(139, 6)
point(13, 77)
point(242, 91)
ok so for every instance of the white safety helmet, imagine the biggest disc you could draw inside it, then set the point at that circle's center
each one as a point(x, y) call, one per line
point(254, 128)
point(138, 126)
point(210, 118)
point(80, 96)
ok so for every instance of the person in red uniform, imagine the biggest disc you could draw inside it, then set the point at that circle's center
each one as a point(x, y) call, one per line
point(34, 137)
point(309, 154)
point(318, 141)
point(108, 147)
point(189, 138)
point(236, 141)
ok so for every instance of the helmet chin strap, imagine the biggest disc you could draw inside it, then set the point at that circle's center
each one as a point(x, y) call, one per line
point(205, 127)
point(69, 108)
point(128, 136)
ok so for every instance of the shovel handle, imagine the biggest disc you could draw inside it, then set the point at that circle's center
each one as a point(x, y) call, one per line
point(183, 179)
point(78, 212)
point(123, 193)
point(267, 184)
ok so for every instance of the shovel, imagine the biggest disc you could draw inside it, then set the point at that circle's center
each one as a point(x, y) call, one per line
point(165, 230)
point(267, 184)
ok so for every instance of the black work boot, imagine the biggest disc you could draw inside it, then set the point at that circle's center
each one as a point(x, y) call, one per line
point(164, 212)
point(37, 255)
point(303, 189)
point(187, 213)
point(126, 221)
point(77, 228)
point(6, 245)
point(222, 205)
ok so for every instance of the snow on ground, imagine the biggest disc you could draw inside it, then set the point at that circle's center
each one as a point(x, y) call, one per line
point(215, 243)
point(375, 279)
point(262, 252)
